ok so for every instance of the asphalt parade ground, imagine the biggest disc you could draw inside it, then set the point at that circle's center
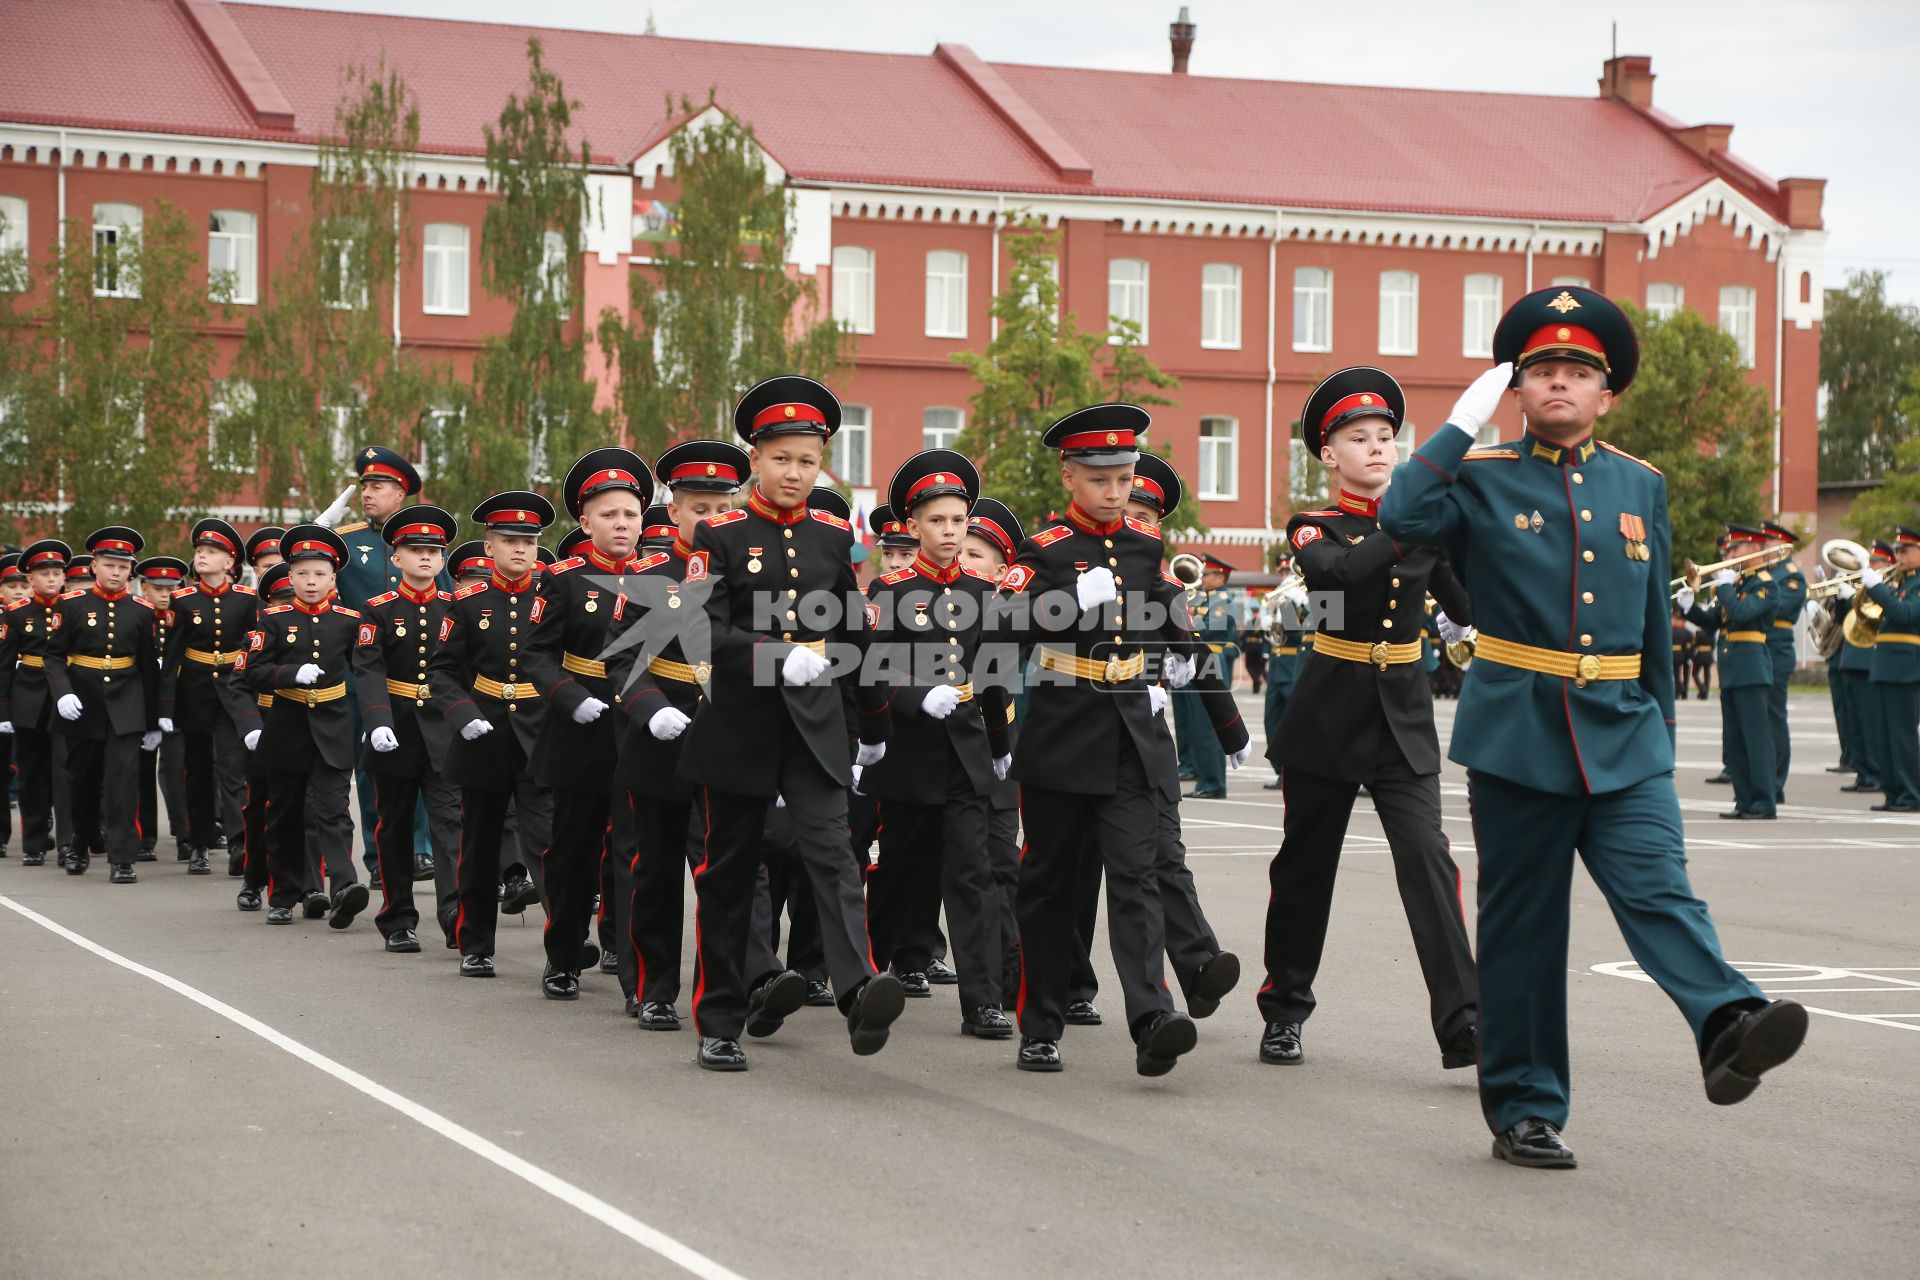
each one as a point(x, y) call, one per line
point(194, 1094)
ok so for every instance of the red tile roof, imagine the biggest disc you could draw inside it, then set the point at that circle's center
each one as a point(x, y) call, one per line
point(891, 119)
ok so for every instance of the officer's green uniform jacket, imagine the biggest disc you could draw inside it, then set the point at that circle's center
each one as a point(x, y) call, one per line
point(1743, 613)
point(1790, 597)
point(1896, 654)
point(1551, 542)
point(1214, 622)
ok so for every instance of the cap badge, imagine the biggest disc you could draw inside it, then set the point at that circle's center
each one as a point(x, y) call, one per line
point(1366, 399)
point(1564, 303)
point(370, 453)
point(790, 411)
point(712, 469)
point(1563, 333)
point(1113, 437)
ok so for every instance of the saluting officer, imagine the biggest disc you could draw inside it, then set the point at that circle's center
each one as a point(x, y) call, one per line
point(1565, 730)
point(1361, 714)
point(1790, 597)
point(273, 587)
point(26, 707)
point(1895, 674)
point(103, 672)
point(162, 771)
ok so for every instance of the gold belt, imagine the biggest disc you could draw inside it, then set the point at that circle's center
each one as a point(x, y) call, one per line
point(511, 691)
point(685, 673)
point(314, 697)
point(1112, 671)
point(818, 646)
point(1216, 648)
point(1745, 637)
point(98, 664)
point(32, 660)
point(1898, 638)
point(1284, 650)
point(1783, 624)
point(401, 689)
point(965, 691)
point(1379, 653)
point(1581, 668)
point(583, 666)
point(265, 700)
point(212, 657)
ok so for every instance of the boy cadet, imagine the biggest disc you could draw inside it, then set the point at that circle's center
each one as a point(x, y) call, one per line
point(103, 672)
point(897, 544)
point(262, 553)
point(657, 529)
point(299, 654)
point(773, 726)
point(273, 587)
point(26, 708)
point(162, 771)
point(213, 616)
point(482, 688)
point(392, 651)
point(1790, 596)
point(1361, 714)
point(1567, 735)
point(1895, 673)
point(13, 589)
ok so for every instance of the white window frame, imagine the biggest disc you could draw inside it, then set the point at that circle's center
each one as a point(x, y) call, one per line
point(449, 265)
point(946, 293)
point(1739, 314)
point(14, 244)
point(1218, 452)
point(1396, 303)
point(853, 446)
point(853, 277)
point(555, 272)
point(1220, 306)
point(113, 222)
point(936, 437)
point(230, 395)
point(1479, 313)
point(1403, 441)
point(1666, 310)
point(1580, 282)
point(241, 243)
point(1319, 301)
point(1129, 298)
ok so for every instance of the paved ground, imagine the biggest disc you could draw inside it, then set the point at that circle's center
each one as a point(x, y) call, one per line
point(383, 1112)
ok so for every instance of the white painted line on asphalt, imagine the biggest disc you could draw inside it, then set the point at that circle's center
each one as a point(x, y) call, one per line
point(649, 1238)
point(1774, 975)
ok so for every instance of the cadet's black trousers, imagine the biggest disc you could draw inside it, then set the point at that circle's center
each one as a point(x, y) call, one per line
point(33, 757)
point(483, 814)
point(293, 800)
point(572, 864)
point(785, 888)
point(655, 912)
point(161, 780)
point(215, 781)
point(929, 852)
point(395, 800)
point(1003, 858)
point(103, 775)
point(1190, 938)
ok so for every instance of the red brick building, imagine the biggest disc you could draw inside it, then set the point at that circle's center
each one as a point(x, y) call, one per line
point(1263, 233)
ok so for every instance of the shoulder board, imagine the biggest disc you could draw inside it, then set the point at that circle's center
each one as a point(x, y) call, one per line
point(244, 589)
point(443, 595)
point(726, 517)
point(1764, 575)
point(76, 592)
point(1166, 576)
point(383, 598)
point(142, 600)
point(658, 557)
point(1481, 455)
point(353, 527)
point(470, 589)
point(972, 572)
point(351, 613)
point(275, 608)
point(827, 517)
point(1629, 457)
point(1317, 515)
point(897, 576)
point(1142, 526)
point(184, 592)
point(19, 604)
point(563, 566)
point(1046, 537)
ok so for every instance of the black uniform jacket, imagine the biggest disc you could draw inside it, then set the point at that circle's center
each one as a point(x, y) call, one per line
point(481, 670)
point(304, 723)
point(209, 632)
point(24, 629)
point(105, 649)
point(1378, 591)
point(655, 623)
point(567, 656)
point(396, 643)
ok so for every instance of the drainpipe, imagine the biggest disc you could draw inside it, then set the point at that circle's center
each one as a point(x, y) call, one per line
point(1273, 327)
point(60, 483)
point(993, 321)
point(1779, 344)
point(1531, 237)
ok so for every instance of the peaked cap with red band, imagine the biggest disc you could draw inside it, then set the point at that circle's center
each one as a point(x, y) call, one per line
point(213, 532)
point(161, 569)
point(1348, 396)
point(469, 560)
point(572, 541)
point(829, 501)
point(313, 542)
point(657, 528)
point(380, 461)
point(892, 530)
point(45, 553)
point(81, 566)
point(1100, 435)
point(603, 471)
point(264, 540)
point(1157, 484)
point(703, 466)
point(784, 406)
point(994, 520)
point(1568, 322)
point(929, 474)
point(515, 511)
point(116, 540)
point(276, 581)
point(420, 525)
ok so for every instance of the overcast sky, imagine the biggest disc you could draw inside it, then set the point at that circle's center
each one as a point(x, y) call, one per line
point(1828, 89)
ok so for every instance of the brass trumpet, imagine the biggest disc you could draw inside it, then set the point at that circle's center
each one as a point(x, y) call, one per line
point(1697, 573)
point(1186, 566)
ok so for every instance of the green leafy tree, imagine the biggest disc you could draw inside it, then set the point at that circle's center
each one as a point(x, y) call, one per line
point(719, 311)
point(1869, 351)
point(1875, 512)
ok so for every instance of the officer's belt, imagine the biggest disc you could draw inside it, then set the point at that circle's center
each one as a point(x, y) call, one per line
point(1898, 638)
point(685, 673)
point(1677, 648)
point(584, 666)
point(98, 664)
point(314, 697)
point(1217, 648)
point(401, 689)
point(1581, 668)
point(32, 660)
point(818, 646)
point(511, 691)
point(1284, 650)
point(1744, 637)
point(1783, 624)
point(212, 658)
point(264, 699)
point(1379, 653)
point(1112, 671)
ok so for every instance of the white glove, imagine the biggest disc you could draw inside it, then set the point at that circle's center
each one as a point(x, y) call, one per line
point(668, 723)
point(1725, 577)
point(69, 707)
point(1239, 757)
point(940, 701)
point(475, 727)
point(1478, 403)
point(588, 711)
point(1870, 577)
point(1179, 670)
point(1095, 588)
point(1685, 599)
point(383, 739)
point(1450, 631)
point(869, 753)
point(1001, 764)
point(1156, 699)
point(307, 674)
point(150, 740)
point(857, 771)
point(166, 724)
point(6, 726)
point(779, 802)
point(802, 666)
point(1847, 593)
point(339, 508)
point(252, 739)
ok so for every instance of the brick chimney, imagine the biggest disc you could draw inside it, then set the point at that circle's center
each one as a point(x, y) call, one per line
point(1180, 34)
point(1804, 196)
point(1704, 139)
point(1628, 78)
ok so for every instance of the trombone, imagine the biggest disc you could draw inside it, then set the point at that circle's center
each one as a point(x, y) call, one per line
point(1697, 573)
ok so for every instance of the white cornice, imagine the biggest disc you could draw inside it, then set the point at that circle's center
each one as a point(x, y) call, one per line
point(1716, 198)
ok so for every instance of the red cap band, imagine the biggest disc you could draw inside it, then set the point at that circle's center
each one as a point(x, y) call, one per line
point(54, 556)
point(778, 413)
point(1358, 400)
point(1564, 337)
point(937, 480)
point(1906, 539)
point(705, 471)
point(474, 562)
point(165, 571)
point(600, 479)
point(321, 547)
point(1151, 489)
point(660, 531)
point(382, 469)
point(1098, 440)
point(221, 539)
point(412, 530)
point(980, 524)
point(512, 517)
point(111, 545)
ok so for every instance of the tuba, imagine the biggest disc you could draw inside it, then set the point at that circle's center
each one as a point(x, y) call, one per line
point(1827, 627)
point(1186, 567)
point(1862, 627)
point(1287, 601)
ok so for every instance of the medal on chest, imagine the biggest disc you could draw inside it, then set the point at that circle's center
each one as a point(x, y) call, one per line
point(93, 619)
point(293, 635)
point(196, 620)
point(753, 561)
point(673, 597)
point(593, 603)
point(1634, 530)
point(919, 615)
point(485, 620)
point(400, 628)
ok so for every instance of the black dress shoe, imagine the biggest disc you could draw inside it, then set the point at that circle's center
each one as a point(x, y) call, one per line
point(1204, 794)
point(1280, 1044)
point(1081, 1013)
point(875, 1006)
point(236, 862)
point(1188, 775)
point(1751, 1043)
point(1839, 768)
point(121, 873)
point(1216, 978)
point(145, 853)
point(1039, 1055)
point(1534, 1144)
point(314, 905)
point(476, 966)
point(219, 841)
point(198, 864)
point(63, 855)
point(374, 880)
point(941, 976)
point(633, 1006)
point(247, 900)
point(348, 903)
point(1278, 784)
point(773, 1001)
point(403, 942)
point(721, 1055)
point(819, 995)
point(1855, 786)
point(558, 984)
point(33, 859)
point(1164, 1038)
point(589, 957)
point(517, 895)
point(1462, 1049)
point(279, 915)
point(915, 985)
point(1743, 815)
point(1896, 808)
point(610, 962)
point(181, 851)
point(1720, 779)
point(422, 867)
point(78, 862)
point(657, 1016)
point(986, 1022)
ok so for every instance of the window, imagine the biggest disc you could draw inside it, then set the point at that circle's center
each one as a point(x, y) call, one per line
point(1127, 295)
point(853, 446)
point(233, 271)
point(1220, 306)
point(1664, 299)
point(116, 232)
point(939, 428)
point(1736, 318)
point(1219, 458)
point(1399, 313)
point(1403, 439)
point(1481, 313)
point(1582, 281)
point(554, 268)
point(344, 422)
point(232, 400)
point(946, 294)
point(1312, 309)
point(1032, 294)
point(342, 266)
point(13, 243)
point(446, 270)
point(853, 289)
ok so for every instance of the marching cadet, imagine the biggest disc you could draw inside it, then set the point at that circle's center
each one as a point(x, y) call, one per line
point(1790, 596)
point(897, 546)
point(1705, 619)
point(1863, 700)
point(299, 655)
point(1085, 759)
point(1565, 730)
point(13, 589)
point(1895, 674)
point(1285, 625)
point(658, 532)
point(408, 762)
point(26, 707)
point(1215, 621)
point(1742, 613)
point(273, 587)
point(650, 622)
point(262, 553)
point(80, 573)
point(162, 771)
point(483, 689)
point(1361, 714)
point(772, 726)
point(103, 673)
point(213, 616)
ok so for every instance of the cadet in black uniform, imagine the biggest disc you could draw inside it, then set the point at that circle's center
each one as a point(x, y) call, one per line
point(162, 771)
point(658, 532)
point(1361, 714)
point(26, 709)
point(13, 589)
point(273, 587)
